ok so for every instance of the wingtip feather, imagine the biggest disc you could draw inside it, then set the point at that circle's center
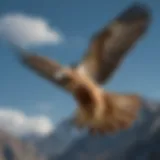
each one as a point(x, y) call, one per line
point(136, 11)
point(20, 53)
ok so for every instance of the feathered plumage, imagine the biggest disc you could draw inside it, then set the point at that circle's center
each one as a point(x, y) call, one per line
point(99, 110)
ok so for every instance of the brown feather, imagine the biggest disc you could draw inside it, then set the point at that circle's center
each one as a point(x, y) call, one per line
point(109, 46)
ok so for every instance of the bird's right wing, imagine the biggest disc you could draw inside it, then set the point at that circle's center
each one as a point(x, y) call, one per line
point(110, 45)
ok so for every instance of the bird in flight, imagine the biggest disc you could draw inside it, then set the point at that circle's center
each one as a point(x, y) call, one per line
point(97, 109)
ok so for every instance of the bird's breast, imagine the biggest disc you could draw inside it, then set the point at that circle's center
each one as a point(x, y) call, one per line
point(92, 117)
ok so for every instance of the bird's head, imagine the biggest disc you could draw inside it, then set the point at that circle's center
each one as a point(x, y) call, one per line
point(78, 84)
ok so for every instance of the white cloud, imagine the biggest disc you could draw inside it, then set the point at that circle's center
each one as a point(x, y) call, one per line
point(17, 123)
point(27, 30)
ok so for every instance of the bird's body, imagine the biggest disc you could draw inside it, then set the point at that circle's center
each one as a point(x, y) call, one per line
point(97, 109)
point(104, 111)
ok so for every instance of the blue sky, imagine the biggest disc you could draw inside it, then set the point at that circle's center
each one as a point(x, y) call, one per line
point(77, 20)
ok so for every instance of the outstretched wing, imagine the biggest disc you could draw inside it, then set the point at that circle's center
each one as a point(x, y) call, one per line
point(109, 46)
point(44, 67)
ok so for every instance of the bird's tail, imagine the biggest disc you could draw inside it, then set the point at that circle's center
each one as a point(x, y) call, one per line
point(123, 107)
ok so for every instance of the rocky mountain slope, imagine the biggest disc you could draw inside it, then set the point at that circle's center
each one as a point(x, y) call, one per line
point(12, 148)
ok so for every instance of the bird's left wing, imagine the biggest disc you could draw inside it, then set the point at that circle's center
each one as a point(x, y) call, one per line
point(43, 66)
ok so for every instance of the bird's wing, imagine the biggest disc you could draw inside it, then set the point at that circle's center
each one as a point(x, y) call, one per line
point(43, 66)
point(109, 46)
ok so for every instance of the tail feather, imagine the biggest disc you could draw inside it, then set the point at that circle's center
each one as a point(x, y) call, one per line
point(123, 109)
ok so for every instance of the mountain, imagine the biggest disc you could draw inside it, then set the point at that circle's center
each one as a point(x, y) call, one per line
point(57, 142)
point(140, 142)
point(12, 148)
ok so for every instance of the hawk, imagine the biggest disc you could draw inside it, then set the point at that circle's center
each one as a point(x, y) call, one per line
point(97, 109)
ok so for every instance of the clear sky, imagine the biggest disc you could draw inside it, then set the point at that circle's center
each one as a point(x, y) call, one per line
point(77, 20)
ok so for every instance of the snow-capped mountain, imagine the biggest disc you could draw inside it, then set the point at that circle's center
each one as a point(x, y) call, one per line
point(12, 148)
point(57, 142)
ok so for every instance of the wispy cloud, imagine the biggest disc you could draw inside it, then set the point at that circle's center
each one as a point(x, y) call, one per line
point(18, 123)
point(28, 30)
